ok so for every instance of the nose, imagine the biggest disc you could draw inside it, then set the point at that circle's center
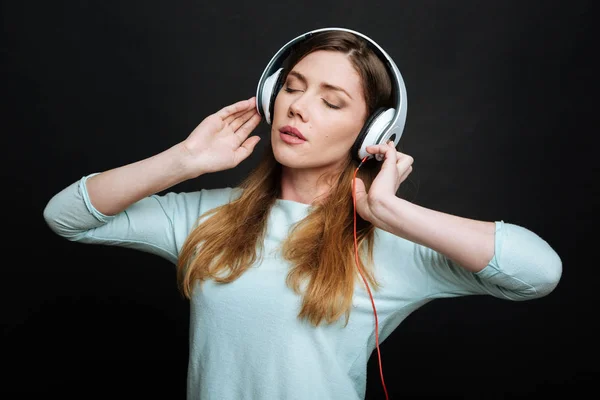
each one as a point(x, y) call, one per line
point(298, 108)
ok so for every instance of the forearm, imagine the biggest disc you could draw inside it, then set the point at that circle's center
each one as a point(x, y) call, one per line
point(468, 242)
point(116, 189)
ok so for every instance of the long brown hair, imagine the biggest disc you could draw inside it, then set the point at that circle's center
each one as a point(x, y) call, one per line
point(320, 247)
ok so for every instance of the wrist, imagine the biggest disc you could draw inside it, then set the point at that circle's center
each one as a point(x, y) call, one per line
point(387, 213)
point(185, 162)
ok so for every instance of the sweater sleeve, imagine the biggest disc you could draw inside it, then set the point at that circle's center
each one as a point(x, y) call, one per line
point(157, 224)
point(524, 266)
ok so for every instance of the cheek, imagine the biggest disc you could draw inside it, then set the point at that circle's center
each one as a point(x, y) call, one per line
point(343, 130)
point(278, 106)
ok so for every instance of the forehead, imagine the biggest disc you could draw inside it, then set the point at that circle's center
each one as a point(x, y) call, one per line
point(330, 67)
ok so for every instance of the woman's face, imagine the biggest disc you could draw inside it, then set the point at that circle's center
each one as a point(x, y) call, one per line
point(322, 98)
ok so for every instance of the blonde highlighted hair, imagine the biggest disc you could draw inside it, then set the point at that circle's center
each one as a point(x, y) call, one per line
point(320, 247)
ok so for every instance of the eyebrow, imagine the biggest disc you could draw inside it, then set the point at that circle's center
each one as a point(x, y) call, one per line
point(324, 85)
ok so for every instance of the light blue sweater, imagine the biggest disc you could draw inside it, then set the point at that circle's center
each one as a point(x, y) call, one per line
point(246, 341)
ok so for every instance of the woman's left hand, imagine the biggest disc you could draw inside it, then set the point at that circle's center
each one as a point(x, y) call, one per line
point(395, 169)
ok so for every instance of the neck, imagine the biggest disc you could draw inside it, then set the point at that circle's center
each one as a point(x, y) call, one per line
point(304, 185)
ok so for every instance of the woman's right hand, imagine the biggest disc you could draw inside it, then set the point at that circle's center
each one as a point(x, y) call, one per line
point(221, 140)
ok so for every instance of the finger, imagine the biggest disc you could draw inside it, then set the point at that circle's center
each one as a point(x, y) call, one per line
point(359, 187)
point(388, 157)
point(247, 127)
point(238, 114)
point(241, 105)
point(405, 158)
point(241, 119)
point(360, 192)
point(405, 174)
point(380, 148)
point(389, 153)
point(404, 164)
point(246, 148)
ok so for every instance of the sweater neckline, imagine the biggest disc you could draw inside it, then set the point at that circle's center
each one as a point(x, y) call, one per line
point(292, 203)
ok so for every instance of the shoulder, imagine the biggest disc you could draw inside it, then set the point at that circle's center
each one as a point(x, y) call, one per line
point(196, 202)
point(212, 198)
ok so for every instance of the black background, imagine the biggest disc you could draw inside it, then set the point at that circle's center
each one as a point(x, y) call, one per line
point(501, 123)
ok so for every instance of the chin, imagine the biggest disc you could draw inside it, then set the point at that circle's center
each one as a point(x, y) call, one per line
point(285, 157)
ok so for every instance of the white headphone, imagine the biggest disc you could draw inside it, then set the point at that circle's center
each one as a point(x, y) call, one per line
point(383, 125)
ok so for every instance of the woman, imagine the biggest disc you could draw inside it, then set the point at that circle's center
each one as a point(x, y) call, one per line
point(278, 309)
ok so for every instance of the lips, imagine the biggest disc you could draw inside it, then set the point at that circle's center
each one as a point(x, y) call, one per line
point(290, 130)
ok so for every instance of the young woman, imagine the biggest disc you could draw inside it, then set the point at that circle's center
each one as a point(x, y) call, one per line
point(278, 306)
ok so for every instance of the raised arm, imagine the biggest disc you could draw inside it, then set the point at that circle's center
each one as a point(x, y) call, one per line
point(220, 142)
point(462, 255)
point(120, 206)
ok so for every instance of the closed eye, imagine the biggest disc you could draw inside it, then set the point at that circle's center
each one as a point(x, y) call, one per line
point(328, 104)
point(331, 105)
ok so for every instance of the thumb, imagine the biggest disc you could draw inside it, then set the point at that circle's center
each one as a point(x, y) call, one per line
point(246, 148)
point(360, 191)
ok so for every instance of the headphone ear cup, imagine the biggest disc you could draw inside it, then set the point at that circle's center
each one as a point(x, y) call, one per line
point(372, 132)
point(268, 92)
point(363, 133)
point(276, 88)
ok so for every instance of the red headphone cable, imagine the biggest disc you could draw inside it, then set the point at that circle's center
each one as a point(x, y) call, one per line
point(363, 277)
